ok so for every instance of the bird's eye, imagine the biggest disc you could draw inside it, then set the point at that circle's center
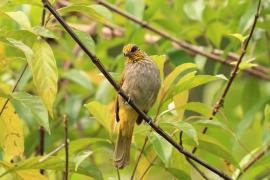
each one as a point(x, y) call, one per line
point(134, 48)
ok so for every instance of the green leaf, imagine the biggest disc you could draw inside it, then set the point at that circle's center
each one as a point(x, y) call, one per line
point(101, 112)
point(81, 144)
point(187, 129)
point(80, 157)
point(161, 146)
point(194, 9)
point(179, 174)
point(244, 161)
point(20, 18)
point(91, 11)
point(179, 100)
point(240, 37)
point(215, 31)
point(135, 7)
point(211, 145)
point(216, 124)
point(87, 39)
point(79, 77)
point(21, 46)
point(267, 113)
point(55, 163)
point(36, 107)
point(173, 75)
point(194, 82)
point(103, 11)
point(44, 32)
point(198, 108)
point(45, 75)
point(245, 64)
point(160, 60)
point(73, 106)
point(248, 118)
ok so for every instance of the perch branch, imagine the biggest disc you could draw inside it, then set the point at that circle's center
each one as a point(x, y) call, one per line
point(146, 118)
point(189, 48)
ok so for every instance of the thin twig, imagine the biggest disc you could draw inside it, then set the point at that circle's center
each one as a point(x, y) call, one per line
point(254, 160)
point(220, 102)
point(148, 167)
point(138, 159)
point(66, 146)
point(146, 118)
point(189, 48)
point(190, 161)
point(14, 88)
point(52, 153)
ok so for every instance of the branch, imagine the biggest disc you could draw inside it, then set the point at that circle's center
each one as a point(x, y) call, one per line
point(189, 48)
point(219, 104)
point(146, 118)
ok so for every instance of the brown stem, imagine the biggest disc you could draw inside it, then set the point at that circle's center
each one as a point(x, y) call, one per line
point(120, 91)
point(41, 144)
point(189, 48)
point(138, 159)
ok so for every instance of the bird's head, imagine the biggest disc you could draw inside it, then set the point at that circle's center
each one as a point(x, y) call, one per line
point(133, 52)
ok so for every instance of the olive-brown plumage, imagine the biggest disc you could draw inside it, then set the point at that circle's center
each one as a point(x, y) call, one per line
point(141, 82)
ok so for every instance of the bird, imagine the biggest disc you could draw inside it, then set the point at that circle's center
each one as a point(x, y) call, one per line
point(140, 80)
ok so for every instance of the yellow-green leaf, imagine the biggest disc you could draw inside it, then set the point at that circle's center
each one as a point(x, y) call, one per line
point(180, 100)
point(240, 37)
point(20, 18)
point(11, 133)
point(101, 112)
point(45, 74)
point(160, 60)
point(171, 77)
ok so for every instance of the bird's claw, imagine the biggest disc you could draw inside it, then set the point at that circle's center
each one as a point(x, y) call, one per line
point(127, 102)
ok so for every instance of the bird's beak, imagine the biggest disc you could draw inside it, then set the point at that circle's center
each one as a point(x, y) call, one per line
point(128, 54)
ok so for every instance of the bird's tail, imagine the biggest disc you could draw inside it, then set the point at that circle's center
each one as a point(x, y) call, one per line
point(127, 118)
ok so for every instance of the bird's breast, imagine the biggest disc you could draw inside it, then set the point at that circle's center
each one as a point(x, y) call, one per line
point(142, 83)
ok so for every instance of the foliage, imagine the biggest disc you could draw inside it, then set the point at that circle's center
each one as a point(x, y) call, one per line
point(61, 80)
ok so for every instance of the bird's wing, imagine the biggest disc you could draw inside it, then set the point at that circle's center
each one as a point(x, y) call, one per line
point(117, 101)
